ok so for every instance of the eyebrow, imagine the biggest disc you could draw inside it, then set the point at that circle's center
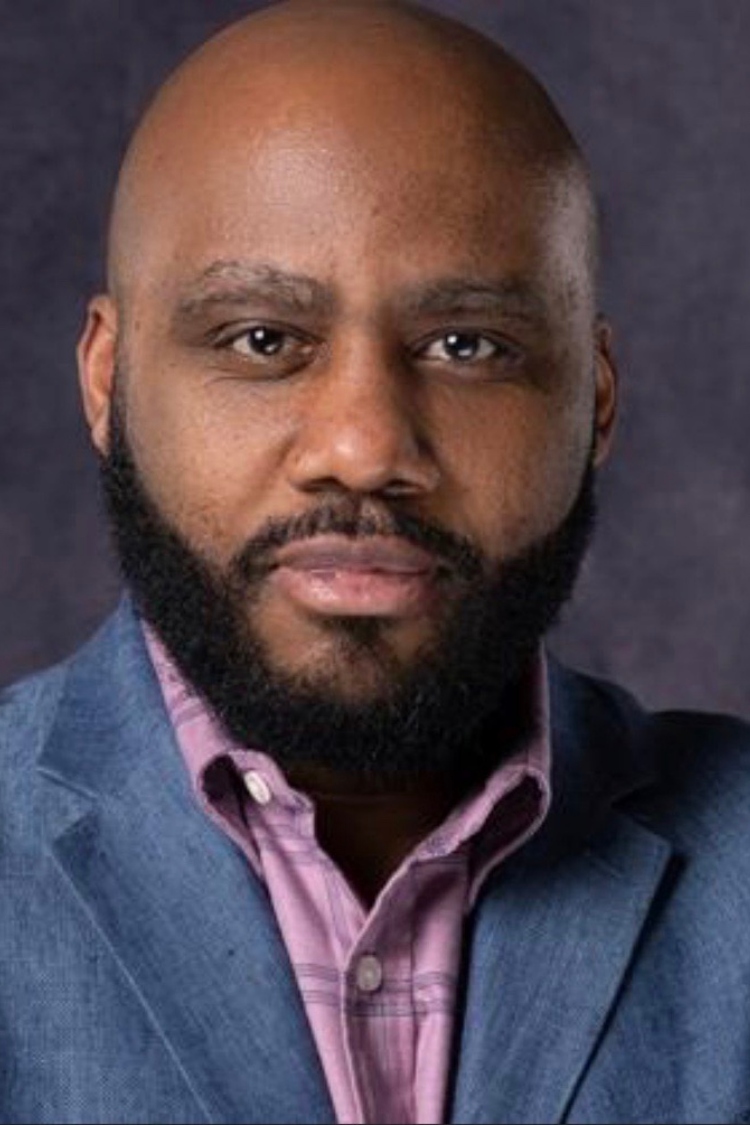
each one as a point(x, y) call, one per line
point(227, 283)
point(455, 295)
point(240, 283)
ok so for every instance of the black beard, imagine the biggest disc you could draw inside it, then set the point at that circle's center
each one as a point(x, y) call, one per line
point(457, 710)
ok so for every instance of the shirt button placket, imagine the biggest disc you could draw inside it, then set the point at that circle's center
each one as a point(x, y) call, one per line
point(366, 980)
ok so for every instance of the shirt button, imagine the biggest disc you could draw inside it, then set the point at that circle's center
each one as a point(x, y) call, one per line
point(369, 973)
point(257, 787)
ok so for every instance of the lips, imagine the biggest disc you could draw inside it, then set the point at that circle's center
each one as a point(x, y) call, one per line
point(388, 555)
point(379, 576)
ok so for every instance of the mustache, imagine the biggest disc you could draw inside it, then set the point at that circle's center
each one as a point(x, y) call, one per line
point(357, 519)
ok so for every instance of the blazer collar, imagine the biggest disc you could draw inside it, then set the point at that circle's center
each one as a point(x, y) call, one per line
point(180, 909)
point(558, 926)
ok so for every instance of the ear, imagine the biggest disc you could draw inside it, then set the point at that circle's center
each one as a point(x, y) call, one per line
point(97, 362)
point(606, 391)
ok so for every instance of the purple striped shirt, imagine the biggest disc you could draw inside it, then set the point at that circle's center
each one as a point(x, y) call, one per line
point(379, 986)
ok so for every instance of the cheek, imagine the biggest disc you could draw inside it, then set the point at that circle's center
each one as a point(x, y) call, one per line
point(516, 468)
point(209, 455)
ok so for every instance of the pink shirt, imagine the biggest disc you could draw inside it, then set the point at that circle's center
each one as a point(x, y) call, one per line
point(379, 987)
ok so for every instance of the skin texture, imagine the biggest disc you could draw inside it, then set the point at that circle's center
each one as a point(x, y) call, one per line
point(364, 179)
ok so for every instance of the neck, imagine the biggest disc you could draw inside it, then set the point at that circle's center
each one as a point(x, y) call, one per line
point(369, 833)
point(369, 826)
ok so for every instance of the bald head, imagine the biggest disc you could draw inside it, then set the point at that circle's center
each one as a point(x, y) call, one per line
point(379, 70)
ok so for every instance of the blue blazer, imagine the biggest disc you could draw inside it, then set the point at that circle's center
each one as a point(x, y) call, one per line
point(143, 977)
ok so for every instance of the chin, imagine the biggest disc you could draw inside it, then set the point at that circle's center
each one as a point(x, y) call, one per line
point(351, 663)
point(348, 640)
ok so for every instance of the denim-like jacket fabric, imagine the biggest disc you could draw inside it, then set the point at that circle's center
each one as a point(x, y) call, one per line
point(143, 977)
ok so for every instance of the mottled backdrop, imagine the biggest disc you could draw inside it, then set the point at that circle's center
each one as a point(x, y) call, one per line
point(659, 93)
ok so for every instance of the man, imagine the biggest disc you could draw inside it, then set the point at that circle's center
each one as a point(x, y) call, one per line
point(313, 830)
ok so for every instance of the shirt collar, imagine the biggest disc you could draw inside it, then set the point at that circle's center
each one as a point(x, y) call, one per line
point(491, 822)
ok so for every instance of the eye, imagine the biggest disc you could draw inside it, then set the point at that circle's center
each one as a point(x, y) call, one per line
point(261, 341)
point(265, 350)
point(465, 348)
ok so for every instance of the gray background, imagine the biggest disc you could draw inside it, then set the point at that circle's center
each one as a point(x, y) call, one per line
point(658, 92)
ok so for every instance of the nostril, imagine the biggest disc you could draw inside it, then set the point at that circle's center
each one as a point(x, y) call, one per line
point(401, 487)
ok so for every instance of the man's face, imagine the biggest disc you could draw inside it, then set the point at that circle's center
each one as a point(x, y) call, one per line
point(331, 315)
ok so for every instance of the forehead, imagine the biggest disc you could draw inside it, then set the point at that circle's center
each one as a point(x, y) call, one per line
point(318, 173)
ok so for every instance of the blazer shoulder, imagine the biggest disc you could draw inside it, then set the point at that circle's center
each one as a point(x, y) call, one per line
point(703, 773)
point(27, 712)
point(678, 760)
point(670, 736)
point(698, 793)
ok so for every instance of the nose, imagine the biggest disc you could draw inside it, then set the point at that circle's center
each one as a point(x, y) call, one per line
point(363, 430)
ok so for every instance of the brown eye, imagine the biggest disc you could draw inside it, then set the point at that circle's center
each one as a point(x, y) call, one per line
point(261, 341)
point(465, 346)
point(462, 347)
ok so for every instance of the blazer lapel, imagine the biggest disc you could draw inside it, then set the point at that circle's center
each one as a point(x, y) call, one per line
point(183, 915)
point(557, 930)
